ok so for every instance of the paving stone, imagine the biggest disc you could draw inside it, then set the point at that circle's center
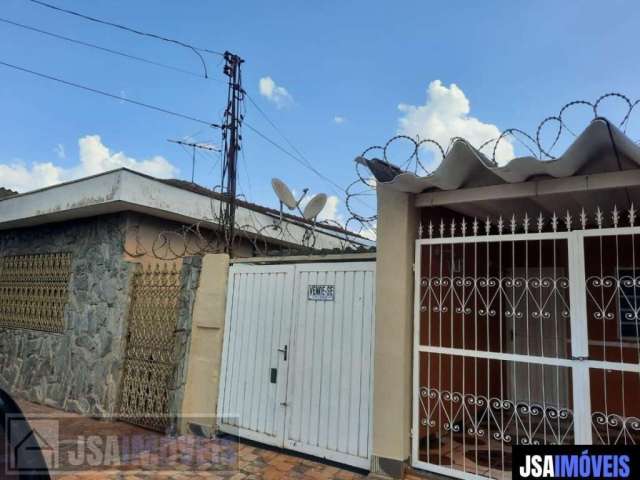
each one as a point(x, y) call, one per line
point(252, 462)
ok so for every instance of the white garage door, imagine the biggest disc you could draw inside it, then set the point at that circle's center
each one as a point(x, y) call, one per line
point(297, 360)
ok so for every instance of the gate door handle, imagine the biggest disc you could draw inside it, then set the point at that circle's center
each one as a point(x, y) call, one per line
point(284, 350)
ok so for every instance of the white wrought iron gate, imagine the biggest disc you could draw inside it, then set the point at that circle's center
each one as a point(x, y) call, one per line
point(297, 359)
point(524, 337)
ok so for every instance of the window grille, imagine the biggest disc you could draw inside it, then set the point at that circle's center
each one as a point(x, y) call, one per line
point(34, 291)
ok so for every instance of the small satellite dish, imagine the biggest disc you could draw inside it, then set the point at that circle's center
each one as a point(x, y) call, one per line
point(283, 193)
point(315, 206)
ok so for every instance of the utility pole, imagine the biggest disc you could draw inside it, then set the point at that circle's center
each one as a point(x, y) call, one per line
point(201, 146)
point(231, 141)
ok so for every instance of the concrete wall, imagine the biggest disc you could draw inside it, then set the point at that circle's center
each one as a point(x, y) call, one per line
point(149, 239)
point(205, 353)
point(189, 282)
point(397, 232)
point(78, 370)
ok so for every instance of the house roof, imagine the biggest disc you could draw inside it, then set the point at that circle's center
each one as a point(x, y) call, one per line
point(601, 147)
point(193, 187)
point(5, 192)
point(125, 190)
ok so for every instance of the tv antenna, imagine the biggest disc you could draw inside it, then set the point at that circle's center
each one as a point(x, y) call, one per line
point(194, 146)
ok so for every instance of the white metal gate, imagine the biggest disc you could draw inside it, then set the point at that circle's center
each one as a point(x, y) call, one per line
point(297, 359)
point(524, 337)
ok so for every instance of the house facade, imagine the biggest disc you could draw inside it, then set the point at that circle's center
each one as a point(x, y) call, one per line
point(98, 286)
point(507, 306)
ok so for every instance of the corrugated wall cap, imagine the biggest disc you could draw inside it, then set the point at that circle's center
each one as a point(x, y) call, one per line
point(600, 148)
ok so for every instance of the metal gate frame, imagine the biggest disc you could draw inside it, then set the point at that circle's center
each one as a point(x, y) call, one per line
point(289, 443)
point(279, 419)
point(578, 362)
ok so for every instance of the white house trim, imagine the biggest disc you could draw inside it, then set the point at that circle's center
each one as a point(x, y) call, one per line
point(125, 190)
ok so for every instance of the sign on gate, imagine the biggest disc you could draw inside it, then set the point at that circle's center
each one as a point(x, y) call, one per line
point(323, 293)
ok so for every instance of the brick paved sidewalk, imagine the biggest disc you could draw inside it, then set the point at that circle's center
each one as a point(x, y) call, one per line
point(239, 460)
point(184, 458)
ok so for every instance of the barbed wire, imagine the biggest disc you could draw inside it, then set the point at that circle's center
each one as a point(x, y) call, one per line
point(277, 238)
point(534, 143)
point(274, 239)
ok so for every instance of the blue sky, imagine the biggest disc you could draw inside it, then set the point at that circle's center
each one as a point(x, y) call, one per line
point(513, 62)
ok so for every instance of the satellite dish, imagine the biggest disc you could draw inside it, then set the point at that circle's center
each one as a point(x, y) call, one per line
point(283, 193)
point(315, 206)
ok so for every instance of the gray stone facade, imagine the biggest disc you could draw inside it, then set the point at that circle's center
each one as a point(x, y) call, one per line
point(80, 369)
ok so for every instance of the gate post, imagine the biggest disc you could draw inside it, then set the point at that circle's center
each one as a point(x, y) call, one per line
point(189, 281)
point(199, 404)
point(396, 235)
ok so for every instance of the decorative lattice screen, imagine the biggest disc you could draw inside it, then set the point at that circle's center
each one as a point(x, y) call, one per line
point(33, 291)
point(149, 359)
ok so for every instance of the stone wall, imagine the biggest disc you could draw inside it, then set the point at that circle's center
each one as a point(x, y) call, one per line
point(80, 369)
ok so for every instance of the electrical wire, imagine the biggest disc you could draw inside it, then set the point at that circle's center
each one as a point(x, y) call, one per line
point(123, 27)
point(302, 162)
point(342, 193)
point(105, 49)
point(110, 95)
point(193, 48)
point(275, 127)
point(301, 158)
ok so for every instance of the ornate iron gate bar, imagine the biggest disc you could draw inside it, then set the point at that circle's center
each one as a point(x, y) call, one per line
point(488, 365)
point(538, 297)
point(150, 356)
point(34, 291)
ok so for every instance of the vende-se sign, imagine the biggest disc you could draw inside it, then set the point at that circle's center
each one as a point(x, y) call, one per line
point(323, 293)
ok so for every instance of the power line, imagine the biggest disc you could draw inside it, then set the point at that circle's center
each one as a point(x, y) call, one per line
point(129, 29)
point(193, 48)
point(275, 127)
point(302, 162)
point(300, 158)
point(110, 95)
point(104, 49)
point(305, 163)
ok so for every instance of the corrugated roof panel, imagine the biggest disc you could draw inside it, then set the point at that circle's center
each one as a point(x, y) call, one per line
point(601, 147)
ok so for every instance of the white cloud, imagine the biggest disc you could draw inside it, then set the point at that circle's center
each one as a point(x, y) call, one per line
point(369, 231)
point(21, 177)
point(330, 210)
point(59, 149)
point(275, 93)
point(339, 119)
point(95, 158)
point(445, 115)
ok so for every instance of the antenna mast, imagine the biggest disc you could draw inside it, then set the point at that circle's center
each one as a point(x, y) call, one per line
point(231, 140)
point(193, 145)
